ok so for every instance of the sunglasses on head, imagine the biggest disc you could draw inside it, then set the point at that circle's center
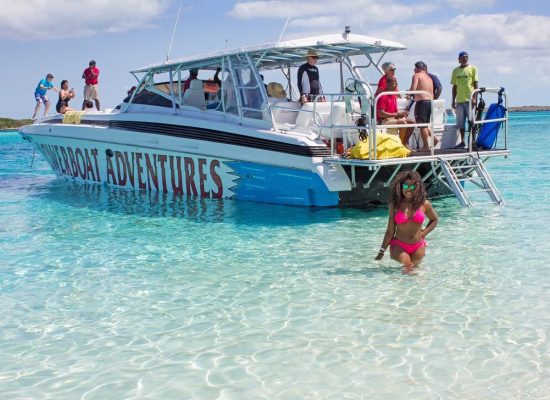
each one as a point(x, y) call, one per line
point(406, 186)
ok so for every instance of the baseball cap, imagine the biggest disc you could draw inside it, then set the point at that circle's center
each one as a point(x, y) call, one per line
point(388, 66)
point(92, 62)
point(462, 54)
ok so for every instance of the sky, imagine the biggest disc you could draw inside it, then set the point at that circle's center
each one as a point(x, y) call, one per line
point(508, 40)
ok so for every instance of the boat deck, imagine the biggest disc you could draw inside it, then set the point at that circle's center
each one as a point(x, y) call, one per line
point(421, 157)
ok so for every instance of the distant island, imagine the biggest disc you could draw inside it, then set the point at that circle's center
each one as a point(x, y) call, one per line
point(528, 108)
point(12, 124)
point(9, 124)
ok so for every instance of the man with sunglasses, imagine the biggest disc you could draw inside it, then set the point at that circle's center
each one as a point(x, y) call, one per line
point(389, 72)
point(464, 80)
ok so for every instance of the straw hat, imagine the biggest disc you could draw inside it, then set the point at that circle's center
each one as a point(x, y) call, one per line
point(312, 53)
point(276, 90)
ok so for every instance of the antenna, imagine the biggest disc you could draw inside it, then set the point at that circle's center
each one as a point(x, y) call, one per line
point(286, 23)
point(347, 30)
point(174, 32)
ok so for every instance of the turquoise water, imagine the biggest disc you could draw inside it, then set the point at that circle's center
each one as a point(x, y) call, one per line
point(110, 294)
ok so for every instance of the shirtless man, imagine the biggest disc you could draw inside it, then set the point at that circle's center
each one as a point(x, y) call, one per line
point(423, 108)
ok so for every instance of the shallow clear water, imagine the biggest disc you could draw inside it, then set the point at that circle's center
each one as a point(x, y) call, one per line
point(111, 294)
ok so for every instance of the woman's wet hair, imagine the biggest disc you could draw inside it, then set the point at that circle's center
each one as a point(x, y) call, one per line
point(64, 81)
point(419, 193)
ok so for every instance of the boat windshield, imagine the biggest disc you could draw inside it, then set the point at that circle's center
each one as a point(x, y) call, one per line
point(229, 84)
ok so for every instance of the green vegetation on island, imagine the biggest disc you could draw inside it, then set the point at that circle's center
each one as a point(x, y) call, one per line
point(528, 108)
point(8, 123)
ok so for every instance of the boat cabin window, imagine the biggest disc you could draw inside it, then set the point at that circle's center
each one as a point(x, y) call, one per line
point(244, 88)
point(242, 92)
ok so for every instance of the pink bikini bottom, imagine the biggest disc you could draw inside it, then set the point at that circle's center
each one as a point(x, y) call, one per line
point(409, 248)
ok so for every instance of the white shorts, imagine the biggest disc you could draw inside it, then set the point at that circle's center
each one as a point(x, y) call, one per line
point(91, 92)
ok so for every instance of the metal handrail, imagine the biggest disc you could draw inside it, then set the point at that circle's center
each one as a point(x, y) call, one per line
point(472, 111)
point(372, 138)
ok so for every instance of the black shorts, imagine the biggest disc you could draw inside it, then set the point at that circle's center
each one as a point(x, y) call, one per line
point(422, 111)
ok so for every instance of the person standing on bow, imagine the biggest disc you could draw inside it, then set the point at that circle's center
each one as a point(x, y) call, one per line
point(309, 84)
point(464, 80)
point(40, 94)
point(90, 76)
point(408, 208)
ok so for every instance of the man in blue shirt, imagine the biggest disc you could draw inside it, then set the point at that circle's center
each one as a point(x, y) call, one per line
point(40, 94)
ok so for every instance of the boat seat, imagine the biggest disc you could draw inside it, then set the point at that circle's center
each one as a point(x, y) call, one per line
point(194, 96)
point(285, 112)
point(323, 111)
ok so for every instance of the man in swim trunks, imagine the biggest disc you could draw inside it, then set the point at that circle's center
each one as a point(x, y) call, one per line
point(40, 94)
point(464, 80)
point(423, 107)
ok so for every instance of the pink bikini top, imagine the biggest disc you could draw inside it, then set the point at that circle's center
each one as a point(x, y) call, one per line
point(417, 218)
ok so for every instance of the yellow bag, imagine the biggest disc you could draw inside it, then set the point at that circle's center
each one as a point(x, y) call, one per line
point(387, 146)
point(72, 117)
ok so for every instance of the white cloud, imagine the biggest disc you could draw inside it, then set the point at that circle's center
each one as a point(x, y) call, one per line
point(39, 19)
point(466, 5)
point(317, 22)
point(355, 12)
point(507, 69)
point(497, 32)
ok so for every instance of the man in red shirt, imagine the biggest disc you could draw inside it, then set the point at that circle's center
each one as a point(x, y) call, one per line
point(389, 71)
point(387, 112)
point(91, 92)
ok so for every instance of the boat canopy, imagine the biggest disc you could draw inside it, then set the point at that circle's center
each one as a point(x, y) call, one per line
point(291, 53)
point(243, 93)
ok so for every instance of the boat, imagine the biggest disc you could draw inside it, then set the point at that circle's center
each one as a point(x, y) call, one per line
point(225, 138)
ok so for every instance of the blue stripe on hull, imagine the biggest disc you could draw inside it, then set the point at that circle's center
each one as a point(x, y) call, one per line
point(270, 184)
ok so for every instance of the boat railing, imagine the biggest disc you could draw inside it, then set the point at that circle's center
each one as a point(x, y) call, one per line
point(502, 98)
point(407, 124)
point(344, 110)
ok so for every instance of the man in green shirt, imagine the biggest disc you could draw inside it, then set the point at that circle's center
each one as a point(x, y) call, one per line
point(464, 80)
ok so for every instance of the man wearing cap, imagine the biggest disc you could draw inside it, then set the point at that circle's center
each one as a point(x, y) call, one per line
point(90, 76)
point(389, 72)
point(308, 78)
point(464, 80)
point(193, 74)
point(40, 94)
point(386, 109)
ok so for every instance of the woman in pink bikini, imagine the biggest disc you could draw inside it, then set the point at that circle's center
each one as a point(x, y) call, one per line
point(408, 208)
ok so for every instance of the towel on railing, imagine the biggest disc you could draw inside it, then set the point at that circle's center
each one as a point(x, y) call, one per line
point(387, 146)
point(72, 117)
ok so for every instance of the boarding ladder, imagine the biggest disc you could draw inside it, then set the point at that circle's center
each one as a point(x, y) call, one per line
point(470, 170)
